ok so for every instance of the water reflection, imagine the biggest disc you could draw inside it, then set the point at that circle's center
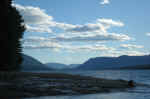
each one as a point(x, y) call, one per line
point(101, 96)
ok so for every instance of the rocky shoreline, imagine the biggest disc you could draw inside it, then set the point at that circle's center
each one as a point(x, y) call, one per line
point(24, 84)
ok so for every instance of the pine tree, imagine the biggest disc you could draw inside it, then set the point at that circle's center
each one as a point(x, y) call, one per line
point(12, 31)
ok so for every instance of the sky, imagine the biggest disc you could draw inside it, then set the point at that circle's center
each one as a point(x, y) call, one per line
point(72, 31)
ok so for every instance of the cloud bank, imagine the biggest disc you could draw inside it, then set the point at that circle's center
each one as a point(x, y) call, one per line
point(37, 20)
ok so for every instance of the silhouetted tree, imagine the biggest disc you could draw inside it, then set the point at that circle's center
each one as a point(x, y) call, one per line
point(11, 33)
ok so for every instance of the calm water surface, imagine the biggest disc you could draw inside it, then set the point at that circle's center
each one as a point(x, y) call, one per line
point(142, 76)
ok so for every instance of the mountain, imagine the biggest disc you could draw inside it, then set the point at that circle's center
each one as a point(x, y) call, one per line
point(73, 65)
point(29, 63)
point(56, 65)
point(137, 67)
point(61, 66)
point(114, 62)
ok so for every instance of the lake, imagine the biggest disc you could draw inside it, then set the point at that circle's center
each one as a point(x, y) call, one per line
point(141, 76)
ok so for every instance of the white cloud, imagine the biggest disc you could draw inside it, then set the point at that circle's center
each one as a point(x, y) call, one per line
point(64, 26)
point(43, 45)
point(135, 53)
point(33, 15)
point(42, 42)
point(35, 39)
point(111, 22)
point(87, 28)
point(148, 34)
point(49, 43)
point(93, 38)
point(131, 46)
point(88, 48)
point(101, 26)
point(36, 19)
point(103, 2)
point(69, 48)
point(77, 38)
point(39, 28)
point(117, 52)
point(130, 53)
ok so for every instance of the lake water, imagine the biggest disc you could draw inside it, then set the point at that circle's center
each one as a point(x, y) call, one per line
point(141, 76)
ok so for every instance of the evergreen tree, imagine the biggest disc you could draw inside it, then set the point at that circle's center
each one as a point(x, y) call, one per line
point(12, 32)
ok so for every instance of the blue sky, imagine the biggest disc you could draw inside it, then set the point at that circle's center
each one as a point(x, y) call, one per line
point(72, 31)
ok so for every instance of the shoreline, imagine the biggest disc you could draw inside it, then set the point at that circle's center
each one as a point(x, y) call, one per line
point(27, 84)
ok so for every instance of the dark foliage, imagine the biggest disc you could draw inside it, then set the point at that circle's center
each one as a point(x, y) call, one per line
point(11, 30)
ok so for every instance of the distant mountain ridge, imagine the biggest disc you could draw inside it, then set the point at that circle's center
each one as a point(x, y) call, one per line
point(74, 65)
point(56, 65)
point(114, 62)
point(137, 67)
point(61, 66)
point(29, 63)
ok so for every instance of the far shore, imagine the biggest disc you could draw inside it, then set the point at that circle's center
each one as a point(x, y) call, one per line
point(27, 84)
